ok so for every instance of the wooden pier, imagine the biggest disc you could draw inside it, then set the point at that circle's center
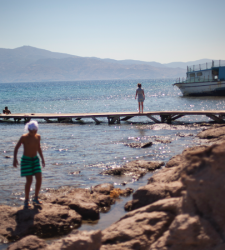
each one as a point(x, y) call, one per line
point(156, 116)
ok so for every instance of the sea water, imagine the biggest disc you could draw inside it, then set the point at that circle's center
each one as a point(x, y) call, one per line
point(76, 153)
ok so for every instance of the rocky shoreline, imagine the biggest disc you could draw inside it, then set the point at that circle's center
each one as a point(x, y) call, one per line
point(181, 207)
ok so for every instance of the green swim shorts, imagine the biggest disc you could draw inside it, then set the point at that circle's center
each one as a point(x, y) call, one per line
point(30, 165)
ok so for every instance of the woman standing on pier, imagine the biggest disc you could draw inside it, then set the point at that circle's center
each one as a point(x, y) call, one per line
point(141, 97)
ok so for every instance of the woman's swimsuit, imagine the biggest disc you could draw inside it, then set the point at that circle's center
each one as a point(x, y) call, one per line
point(30, 165)
point(140, 95)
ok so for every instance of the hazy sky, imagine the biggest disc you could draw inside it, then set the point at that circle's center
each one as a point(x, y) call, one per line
point(148, 30)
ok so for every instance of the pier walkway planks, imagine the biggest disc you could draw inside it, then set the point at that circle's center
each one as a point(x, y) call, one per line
point(116, 117)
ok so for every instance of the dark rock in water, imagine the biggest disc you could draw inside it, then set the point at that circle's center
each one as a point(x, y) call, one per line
point(8, 157)
point(163, 141)
point(142, 164)
point(45, 220)
point(104, 188)
point(135, 169)
point(74, 173)
point(139, 144)
point(183, 134)
point(114, 171)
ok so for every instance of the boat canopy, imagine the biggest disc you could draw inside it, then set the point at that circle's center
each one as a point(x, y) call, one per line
point(205, 66)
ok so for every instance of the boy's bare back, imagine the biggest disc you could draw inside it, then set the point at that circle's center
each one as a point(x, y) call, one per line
point(31, 144)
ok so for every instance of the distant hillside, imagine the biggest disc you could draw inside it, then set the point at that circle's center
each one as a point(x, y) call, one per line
point(27, 63)
point(185, 64)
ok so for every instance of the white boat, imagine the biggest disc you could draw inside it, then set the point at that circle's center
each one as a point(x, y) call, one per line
point(204, 79)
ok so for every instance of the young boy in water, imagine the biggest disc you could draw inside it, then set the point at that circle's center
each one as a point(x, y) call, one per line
point(30, 164)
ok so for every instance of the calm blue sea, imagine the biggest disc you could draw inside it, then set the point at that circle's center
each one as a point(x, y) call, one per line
point(84, 146)
point(89, 148)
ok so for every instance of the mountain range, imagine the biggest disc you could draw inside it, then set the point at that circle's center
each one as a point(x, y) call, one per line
point(29, 64)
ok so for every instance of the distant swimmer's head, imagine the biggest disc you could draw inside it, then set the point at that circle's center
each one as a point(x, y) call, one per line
point(139, 85)
point(31, 126)
point(6, 108)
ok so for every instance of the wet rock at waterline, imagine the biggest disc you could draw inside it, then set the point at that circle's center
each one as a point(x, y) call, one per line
point(184, 135)
point(74, 173)
point(8, 157)
point(135, 169)
point(139, 144)
point(215, 132)
point(104, 188)
point(47, 220)
point(87, 204)
point(163, 141)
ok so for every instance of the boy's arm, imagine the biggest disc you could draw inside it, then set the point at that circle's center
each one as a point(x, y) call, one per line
point(136, 95)
point(40, 152)
point(15, 162)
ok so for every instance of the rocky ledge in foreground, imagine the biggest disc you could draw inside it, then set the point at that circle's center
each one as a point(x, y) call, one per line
point(62, 211)
point(189, 217)
point(183, 209)
point(135, 169)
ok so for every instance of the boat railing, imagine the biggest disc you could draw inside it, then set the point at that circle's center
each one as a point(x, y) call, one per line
point(207, 65)
point(196, 80)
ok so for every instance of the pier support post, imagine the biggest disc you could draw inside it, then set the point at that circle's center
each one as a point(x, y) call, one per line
point(215, 118)
point(17, 119)
point(113, 119)
point(48, 120)
point(166, 118)
point(27, 119)
point(97, 122)
point(126, 118)
point(153, 118)
point(65, 119)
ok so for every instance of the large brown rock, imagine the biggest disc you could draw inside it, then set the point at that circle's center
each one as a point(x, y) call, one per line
point(204, 177)
point(85, 202)
point(214, 132)
point(104, 188)
point(188, 233)
point(165, 183)
point(173, 168)
point(141, 227)
point(78, 240)
point(196, 218)
point(201, 223)
point(153, 192)
point(46, 220)
point(29, 243)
